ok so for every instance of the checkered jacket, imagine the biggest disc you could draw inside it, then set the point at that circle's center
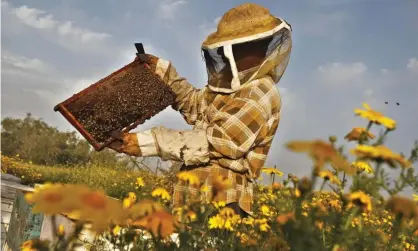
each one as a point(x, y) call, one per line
point(240, 128)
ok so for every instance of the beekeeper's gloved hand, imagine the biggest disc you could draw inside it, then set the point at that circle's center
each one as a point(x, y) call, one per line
point(126, 143)
point(151, 60)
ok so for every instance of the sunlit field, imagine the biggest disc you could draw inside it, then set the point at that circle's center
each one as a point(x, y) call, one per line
point(346, 201)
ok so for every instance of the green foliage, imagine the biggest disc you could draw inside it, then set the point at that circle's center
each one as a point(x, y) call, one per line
point(34, 140)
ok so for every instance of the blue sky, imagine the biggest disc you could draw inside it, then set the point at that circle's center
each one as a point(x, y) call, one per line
point(345, 52)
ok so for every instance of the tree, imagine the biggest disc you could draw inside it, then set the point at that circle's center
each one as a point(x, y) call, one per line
point(36, 141)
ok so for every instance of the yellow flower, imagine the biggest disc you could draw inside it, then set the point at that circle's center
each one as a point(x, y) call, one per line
point(191, 216)
point(140, 182)
point(35, 245)
point(322, 152)
point(336, 205)
point(116, 230)
point(216, 222)
point(284, 218)
point(405, 207)
point(415, 196)
point(328, 175)
point(409, 247)
point(60, 230)
point(265, 210)
point(159, 223)
point(271, 171)
point(355, 221)
point(127, 203)
point(319, 224)
point(132, 196)
point(204, 189)
point(129, 200)
point(363, 166)
point(230, 222)
point(248, 221)
point(360, 199)
point(161, 192)
point(51, 199)
point(144, 208)
point(356, 132)
point(96, 207)
point(297, 193)
point(219, 204)
point(375, 117)
point(189, 177)
point(227, 212)
point(263, 225)
point(219, 184)
point(380, 153)
point(28, 246)
point(276, 186)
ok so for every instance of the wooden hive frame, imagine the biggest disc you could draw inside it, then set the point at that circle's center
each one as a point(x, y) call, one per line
point(61, 107)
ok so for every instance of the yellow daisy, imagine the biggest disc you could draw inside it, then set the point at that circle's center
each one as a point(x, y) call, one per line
point(322, 152)
point(356, 132)
point(328, 175)
point(375, 117)
point(363, 166)
point(271, 171)
point(189, 177)
point(161, 192)
point(216, 222)
point(380, 153)
point(360, 199)
point(140, 182)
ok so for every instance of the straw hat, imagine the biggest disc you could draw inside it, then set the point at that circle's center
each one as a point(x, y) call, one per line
point(244, 20)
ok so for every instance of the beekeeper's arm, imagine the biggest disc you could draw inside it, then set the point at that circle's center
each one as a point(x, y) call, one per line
point(189, 100)
point(230, 135)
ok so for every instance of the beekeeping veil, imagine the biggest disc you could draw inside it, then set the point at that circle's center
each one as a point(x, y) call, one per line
point(246, 29)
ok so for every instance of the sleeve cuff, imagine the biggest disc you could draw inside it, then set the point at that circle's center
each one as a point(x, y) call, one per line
point(190, 146)
point(147, 144)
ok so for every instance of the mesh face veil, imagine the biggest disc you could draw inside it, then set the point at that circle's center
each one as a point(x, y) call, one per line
point(273, 46)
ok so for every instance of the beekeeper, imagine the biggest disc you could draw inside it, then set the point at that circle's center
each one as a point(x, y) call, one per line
point(235, 116)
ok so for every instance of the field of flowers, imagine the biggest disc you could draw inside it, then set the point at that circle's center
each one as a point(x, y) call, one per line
point(338, 206)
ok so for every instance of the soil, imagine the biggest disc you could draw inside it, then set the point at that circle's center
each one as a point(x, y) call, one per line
point(135, 94)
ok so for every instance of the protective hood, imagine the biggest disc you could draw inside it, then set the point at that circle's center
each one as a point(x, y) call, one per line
point(223, 73)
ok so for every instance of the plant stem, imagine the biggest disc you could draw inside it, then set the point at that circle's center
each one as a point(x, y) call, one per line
point(395, 232)
point(322, 185)
point(343, 183)
point(350, 219)
point(377, 171)
point(363, 135)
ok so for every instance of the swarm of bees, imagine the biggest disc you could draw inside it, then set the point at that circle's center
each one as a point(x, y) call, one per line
point(129, 96)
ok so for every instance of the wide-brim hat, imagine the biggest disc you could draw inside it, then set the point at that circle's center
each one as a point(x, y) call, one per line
point(242, 21)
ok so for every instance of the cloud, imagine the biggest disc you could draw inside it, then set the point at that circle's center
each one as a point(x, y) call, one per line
point(168, 8)
point(34, 18)
point(64, 33)
point(338, 73)
point(413, 65)
point(11, 63)
point(67, 29)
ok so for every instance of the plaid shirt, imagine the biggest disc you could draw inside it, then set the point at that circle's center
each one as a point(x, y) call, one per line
point(240, 128)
